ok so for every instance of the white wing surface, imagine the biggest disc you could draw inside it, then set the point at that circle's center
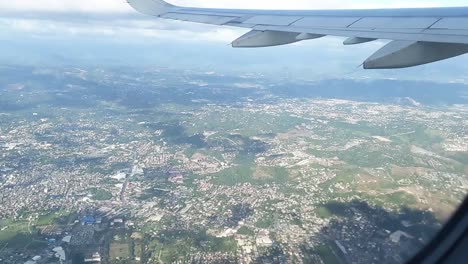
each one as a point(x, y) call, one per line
point(418, 35)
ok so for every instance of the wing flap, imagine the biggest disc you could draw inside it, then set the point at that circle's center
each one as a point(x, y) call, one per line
point(272, 20)
point(395, 34)
point(205, 19)
point(331, 22)
point(395, 22)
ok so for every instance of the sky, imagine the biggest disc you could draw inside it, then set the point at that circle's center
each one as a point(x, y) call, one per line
point(110, 32)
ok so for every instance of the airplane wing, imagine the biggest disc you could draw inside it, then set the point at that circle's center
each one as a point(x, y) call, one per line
point(418, 35)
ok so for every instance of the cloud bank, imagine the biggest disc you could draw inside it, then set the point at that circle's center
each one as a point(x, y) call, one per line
point(120, 6)
point(68, 30)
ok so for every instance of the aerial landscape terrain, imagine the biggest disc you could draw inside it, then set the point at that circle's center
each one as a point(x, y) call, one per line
point(160, 165)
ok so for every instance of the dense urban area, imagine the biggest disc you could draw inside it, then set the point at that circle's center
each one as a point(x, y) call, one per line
point(180, 166)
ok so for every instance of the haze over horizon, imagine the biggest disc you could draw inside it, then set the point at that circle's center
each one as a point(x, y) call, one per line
point(111, 33)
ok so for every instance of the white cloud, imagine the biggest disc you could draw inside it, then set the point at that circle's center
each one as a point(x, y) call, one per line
point(46, 28)
point(65, 5)
point(123, 30)
point(122, 6)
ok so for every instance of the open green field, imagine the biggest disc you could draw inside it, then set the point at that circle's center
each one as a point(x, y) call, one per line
point(247, 172)
point(23, 233)
point(118, 250)
point(48, 219)
point(100, 194)
point(18, 235)
point(11, 229)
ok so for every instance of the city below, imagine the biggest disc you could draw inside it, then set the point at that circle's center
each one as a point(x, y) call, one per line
point(115, 165)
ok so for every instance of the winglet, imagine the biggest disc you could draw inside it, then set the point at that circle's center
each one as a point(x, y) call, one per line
point(152, 7)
